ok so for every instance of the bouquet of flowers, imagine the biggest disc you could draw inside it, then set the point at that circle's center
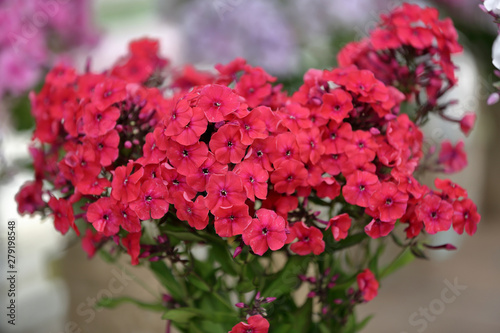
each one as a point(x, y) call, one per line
point(235, 192)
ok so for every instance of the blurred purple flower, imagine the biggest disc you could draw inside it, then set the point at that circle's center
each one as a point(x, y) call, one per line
point(33, 33)
point(256, 30)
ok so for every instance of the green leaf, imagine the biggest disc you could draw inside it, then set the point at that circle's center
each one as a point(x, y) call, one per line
point(363, 323)
point(323, 328)
point(402, 259)
point(303, 317)
point(349, 241)
point(167, 279)
point(286, 280)
point(181, 315)
point(198, 283)
point(245, 286)
point(114, 302)
point(220, 252)
point(285, 328)
point(21, 113)
point(373, 264)
point(417, 252)
point(185, 236)
point(194, 327)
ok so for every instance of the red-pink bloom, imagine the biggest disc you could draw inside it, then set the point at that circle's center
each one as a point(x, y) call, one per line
point(217, 102)
point(295, 117)
point(29, 198)
point(151, 202)
point(450, 189)
point(253, 127)
point(224, 191)
point(90, 242)
point(435, 213)
point(310, 239)
point(367, 284)
point(254, 86)
point(285, 149)
point(340, 225)
point(231, 221)
point(336, 105)
point(97, 122)
point(93, 186)
point(377, 228)
point(362, 143)
point(195, 213)
point(103, 216)
point(288, 176)
point(336, 137)
point(467, 122)
point(106, 147)
point(310, 145)
point(260, 152)
point(465, 216)
point(187, 159)
point(328, 188)
point(127, 218)
point(151, 151)
point(132, 243)
point(452, 158)
point(358, 162)
point(389, 201)
point(382, 39)
point(360, 187)
point(407, 183)
point(227, 146)
point(108, 93)
point(268, 230)
point(192, 131)
point(331, 163)
point(256, 324)
point(176, 182)
point(198, 180)
point(177, 118)
point(125, 185)
point(254, 179)
point(62, 210)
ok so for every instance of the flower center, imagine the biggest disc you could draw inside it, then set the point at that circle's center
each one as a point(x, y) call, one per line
point(217, 104)
point(223, 193)
point(264, 231)
point(388, 201)
point(185, 153)
point(148, 198)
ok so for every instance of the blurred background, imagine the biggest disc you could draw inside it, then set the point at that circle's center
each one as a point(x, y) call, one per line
point(57, 285)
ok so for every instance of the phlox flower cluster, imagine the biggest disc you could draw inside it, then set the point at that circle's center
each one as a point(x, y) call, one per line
point(231, 153)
